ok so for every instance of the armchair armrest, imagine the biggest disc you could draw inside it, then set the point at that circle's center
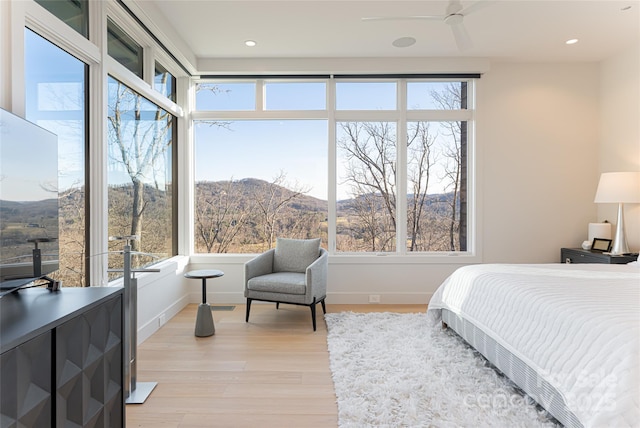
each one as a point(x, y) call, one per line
point(260, 265)
point(316, 276)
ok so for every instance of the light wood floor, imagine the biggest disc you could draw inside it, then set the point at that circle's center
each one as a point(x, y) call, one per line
point(270, 372)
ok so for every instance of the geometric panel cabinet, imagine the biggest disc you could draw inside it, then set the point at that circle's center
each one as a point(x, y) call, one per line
point(89, 368)
point(62, 358)
point(28, 366)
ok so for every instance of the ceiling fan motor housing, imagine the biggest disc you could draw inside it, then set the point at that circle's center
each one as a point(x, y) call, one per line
point(453, 19)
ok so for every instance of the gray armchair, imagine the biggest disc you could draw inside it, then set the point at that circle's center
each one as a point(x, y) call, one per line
point(295, 272)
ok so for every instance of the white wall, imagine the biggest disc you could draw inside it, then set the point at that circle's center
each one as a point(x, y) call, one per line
point(160, 295)
point(538, 132)
point(619, 139)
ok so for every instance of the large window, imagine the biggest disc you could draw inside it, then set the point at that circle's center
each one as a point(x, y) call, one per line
point(141, 153)
point(399, 149)
point(56, 99)
point(258, 180)
point(134, 170)
point(371, 160)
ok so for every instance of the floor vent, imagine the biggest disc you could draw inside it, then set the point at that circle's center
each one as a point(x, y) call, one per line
point(222, 308)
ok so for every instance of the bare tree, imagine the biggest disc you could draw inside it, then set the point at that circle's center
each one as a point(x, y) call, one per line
point(420, 159)
point(221, 214)
point(72, 237)
point(140, 139)
point(215, 90)
point(370, 154)
point(454, 97)
point(270, 201)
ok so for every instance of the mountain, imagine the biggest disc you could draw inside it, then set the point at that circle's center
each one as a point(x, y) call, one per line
point(248, 187)
point(29, 211)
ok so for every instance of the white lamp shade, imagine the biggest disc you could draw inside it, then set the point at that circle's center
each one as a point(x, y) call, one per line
point(617, 187)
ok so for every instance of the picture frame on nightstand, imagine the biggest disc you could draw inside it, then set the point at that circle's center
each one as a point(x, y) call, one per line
point(602, 245)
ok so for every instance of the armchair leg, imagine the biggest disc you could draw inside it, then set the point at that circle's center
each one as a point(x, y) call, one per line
point(324, 308)
point(277, 305)
point(248, 309)
point(313, 313)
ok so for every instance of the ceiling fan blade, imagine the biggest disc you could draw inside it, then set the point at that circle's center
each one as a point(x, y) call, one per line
point(454, 6)
point(473, 7)
point(403, 18)
point(461, 37)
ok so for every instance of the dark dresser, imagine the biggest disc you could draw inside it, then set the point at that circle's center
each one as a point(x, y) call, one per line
point(62, 357)
point(578, 255)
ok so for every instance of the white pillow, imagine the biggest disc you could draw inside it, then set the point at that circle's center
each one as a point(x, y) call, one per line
point(295, 255)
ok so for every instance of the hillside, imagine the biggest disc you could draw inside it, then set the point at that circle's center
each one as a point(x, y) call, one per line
point(247, 187)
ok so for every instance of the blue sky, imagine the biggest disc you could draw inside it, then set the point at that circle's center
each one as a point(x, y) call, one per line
point(55, 101)
point(262, 149)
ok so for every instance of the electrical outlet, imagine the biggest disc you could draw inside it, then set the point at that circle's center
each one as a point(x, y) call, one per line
point(374, 298)
point(162, 320)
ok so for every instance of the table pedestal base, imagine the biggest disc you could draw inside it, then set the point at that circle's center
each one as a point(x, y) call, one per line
point(204, 321)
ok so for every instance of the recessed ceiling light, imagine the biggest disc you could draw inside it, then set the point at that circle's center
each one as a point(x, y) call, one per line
point(404, 42)
point(250, 43)
point(571, 41)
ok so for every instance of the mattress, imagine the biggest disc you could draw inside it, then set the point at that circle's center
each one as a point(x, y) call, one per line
point(575, 327)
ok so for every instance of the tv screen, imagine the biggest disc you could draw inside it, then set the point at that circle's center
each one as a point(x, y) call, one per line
point(28, 201)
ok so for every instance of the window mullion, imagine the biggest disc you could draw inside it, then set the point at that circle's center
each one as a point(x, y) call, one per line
point(401, 170)
point(260, 92)
point(332, 170)
point(364, 218)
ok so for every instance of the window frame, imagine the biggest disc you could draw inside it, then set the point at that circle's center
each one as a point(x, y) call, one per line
point(92, 51)
point(401, 116)
point(172, 173)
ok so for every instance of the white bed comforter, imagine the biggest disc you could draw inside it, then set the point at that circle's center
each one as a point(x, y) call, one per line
point(578, 326)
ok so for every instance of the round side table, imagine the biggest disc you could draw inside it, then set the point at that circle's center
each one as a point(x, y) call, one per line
point(204, 319)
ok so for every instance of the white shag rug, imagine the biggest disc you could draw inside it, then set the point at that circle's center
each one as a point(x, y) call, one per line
point(393, 370)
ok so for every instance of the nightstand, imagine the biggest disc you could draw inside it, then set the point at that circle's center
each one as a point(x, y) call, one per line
point(578, 255)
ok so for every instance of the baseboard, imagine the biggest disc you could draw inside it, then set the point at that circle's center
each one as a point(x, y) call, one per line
point(375, 297)
point(236, 298)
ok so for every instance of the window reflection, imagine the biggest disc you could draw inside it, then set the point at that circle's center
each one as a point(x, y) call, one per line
point(124, 49)
point(74, 13)
point(164, 82)
point(56, 99)
point(140, 175)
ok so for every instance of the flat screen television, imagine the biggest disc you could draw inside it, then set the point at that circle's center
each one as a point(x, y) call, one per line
point(29, 246)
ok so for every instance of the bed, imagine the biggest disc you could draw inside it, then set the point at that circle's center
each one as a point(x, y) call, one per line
point(567, 334)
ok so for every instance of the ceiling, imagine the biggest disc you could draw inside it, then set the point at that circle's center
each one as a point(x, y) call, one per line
point(508, 29)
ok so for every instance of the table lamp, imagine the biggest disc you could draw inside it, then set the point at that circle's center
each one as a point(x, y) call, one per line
point(619, 188)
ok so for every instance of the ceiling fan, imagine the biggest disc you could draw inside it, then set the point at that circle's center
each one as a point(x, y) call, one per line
point(453, 16)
